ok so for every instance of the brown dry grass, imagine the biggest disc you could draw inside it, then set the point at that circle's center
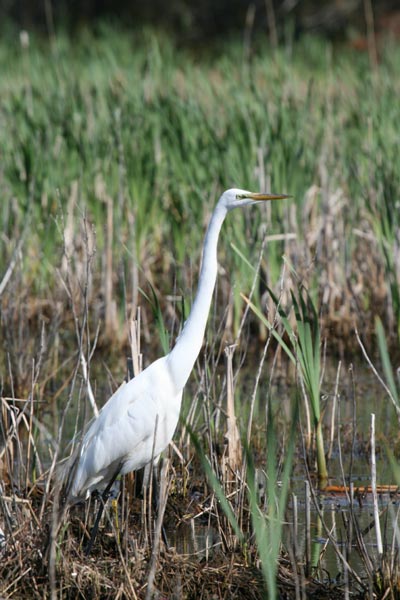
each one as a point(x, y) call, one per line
point(119, 571)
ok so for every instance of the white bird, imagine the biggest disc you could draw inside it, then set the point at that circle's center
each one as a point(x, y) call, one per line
point(137, 423)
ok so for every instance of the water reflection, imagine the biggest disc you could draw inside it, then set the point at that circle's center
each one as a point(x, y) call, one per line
point(194, 538)
point(347, 427)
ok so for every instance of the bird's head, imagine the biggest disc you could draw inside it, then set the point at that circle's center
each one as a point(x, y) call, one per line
point(234, 198)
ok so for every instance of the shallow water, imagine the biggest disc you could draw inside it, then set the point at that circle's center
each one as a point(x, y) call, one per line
point(338, 517)
point(359, 395)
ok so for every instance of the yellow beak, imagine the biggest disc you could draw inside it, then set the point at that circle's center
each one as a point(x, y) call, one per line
point(259, 197)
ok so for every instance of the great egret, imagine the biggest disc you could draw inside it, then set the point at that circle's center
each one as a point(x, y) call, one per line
point(138, 421)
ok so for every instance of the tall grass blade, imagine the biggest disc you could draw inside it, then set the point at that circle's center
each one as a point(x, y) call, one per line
point(216, 486)
point(159, 318)
point(306, 344)
point(268, 527)
point(270, 328)
point(386, 363)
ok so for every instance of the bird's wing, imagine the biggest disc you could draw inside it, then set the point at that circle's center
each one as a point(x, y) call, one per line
point(122, 437)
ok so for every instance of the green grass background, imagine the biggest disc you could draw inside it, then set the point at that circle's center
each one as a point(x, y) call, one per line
point(162, 130)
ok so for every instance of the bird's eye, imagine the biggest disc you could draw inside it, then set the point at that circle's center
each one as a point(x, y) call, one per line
point(240, 196)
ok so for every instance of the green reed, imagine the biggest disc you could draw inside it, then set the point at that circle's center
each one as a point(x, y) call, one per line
point(164, 130)
point(304, 351)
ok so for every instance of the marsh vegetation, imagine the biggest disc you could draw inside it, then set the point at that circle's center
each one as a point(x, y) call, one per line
point(115, 148)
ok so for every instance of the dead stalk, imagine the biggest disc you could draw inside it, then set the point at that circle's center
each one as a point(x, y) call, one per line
point(110, 306)
point(375, 372)
point(374, 492)
point(135, 343)
point(233, 455)
point(335, 397)
point(308, 527)
point(163, 495)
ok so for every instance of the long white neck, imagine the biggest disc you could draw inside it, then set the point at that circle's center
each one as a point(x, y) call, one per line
point(187, 347)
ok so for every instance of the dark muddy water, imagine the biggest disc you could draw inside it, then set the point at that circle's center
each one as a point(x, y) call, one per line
point(348, 402)
point(337, 516)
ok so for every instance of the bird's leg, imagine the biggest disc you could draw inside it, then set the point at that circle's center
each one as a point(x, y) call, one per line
point(129, 368)
point(103, 499)
point(155, 497)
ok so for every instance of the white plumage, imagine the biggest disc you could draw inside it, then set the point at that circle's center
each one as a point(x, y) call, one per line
point(138, 421)
point(127, 432)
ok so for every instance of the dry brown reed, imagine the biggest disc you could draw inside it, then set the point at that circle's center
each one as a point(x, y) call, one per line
point(42, 553)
